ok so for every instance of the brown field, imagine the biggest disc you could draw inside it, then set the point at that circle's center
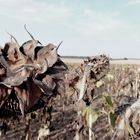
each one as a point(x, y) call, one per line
point(80, 60)
point(124, 82)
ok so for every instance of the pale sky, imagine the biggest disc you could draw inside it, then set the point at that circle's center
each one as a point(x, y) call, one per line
point(87, 27)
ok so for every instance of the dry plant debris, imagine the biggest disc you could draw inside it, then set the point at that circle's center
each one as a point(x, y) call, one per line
point(27, 72)
point(43, 98)
point(34, 85)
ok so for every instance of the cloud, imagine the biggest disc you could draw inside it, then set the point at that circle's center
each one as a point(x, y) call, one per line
point(93, 22)
point(32, 10)
point(86, 20)
point(90, 23)
point(133, 2)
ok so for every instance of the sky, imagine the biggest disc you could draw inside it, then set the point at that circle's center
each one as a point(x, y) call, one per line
point(87, 27)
